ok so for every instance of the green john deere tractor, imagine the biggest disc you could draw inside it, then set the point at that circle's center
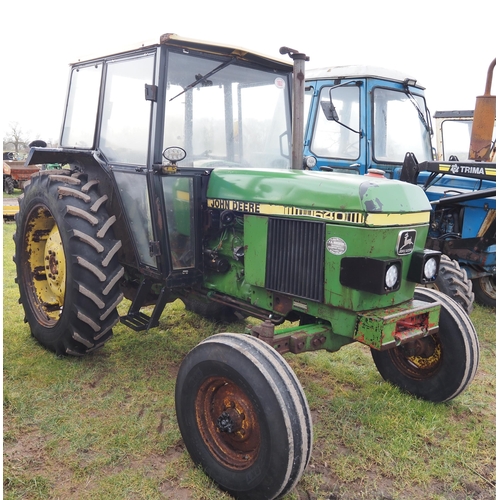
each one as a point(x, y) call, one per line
point(181, 182)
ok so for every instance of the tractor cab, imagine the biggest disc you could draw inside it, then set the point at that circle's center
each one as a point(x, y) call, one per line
point(363, 117)
point(195, 107)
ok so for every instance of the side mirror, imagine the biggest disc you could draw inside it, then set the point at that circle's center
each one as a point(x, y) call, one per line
point(329, 111)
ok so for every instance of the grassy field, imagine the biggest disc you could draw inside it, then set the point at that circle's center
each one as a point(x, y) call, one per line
point(104, 426)
point(15, 194)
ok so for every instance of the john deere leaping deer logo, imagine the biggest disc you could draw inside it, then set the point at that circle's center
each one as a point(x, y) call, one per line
point(406, 242)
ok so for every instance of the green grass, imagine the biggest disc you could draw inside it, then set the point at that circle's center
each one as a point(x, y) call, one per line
point(104, 426)
point(15, 194)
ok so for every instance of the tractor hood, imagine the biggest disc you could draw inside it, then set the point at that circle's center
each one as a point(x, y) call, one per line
point(371, 200)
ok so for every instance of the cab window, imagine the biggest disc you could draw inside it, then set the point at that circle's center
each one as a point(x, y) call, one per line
point(126, 113)
point(81, 110)
point(331, 139)
point(236, 116)
point(399, 127)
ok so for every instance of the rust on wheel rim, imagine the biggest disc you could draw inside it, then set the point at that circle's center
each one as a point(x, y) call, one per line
point(45, 265)
point(419, 359)
point(228, 423)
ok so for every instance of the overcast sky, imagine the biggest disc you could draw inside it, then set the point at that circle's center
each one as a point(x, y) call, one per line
point(446, 45)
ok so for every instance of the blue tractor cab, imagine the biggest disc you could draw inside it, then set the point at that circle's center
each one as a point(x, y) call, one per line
point(364, 118)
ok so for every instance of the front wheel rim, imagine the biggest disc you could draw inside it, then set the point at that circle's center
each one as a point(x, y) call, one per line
point(228, 423)
point(419, 359)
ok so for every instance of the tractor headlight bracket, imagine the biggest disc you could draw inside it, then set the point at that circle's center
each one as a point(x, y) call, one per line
point(424, 266)
point(366, 274)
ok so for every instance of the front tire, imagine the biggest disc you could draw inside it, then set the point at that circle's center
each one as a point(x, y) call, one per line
point(453, 281)
point(66, 261)
point(243, 416)
point(438, 367)
point(485, 289)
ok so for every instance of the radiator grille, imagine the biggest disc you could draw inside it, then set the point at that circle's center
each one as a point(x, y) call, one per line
point(295, 258)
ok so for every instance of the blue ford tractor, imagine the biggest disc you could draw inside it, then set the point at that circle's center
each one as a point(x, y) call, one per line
point(362, 118)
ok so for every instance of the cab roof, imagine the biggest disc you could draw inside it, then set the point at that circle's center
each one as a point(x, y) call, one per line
point(358, 71)
point(174, 40)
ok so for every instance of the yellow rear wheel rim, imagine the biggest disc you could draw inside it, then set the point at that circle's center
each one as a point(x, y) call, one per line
point(47, 265)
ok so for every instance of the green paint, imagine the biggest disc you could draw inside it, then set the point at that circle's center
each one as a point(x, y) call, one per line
point(255, 249)
point(377, 328)
point(346, 314)
point(316, 190)
point(363, 242)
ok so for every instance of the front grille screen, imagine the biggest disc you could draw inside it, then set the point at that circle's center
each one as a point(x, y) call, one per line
point(295, 258)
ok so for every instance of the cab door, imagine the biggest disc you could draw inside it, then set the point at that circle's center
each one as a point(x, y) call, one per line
point(158, 206)
point(181, 202)
point(335, 128)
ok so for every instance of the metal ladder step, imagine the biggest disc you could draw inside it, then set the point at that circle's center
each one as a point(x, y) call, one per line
point(138, 321)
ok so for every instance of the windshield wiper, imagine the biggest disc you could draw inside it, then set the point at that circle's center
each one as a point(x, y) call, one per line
point(412, 99)
point(203, 78)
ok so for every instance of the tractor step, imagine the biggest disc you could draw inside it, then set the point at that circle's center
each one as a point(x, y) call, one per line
point(138, 321)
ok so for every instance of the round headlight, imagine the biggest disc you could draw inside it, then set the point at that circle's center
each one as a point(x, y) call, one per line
point(391, 276)
point(309, 162)
point(430, 269)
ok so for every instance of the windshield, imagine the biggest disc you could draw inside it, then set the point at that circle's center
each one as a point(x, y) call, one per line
point(398, 127)
point(456, 139)
point(226, 114)
point(331, 138)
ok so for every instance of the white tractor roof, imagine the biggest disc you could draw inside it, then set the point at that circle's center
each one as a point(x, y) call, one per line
point(357, 71)
point(172, 39)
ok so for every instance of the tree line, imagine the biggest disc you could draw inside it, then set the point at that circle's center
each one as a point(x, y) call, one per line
point(17, 141)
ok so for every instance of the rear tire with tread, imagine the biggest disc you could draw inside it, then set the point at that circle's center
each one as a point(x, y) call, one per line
point(8, 185)
point(66, 261)
point(485, 289)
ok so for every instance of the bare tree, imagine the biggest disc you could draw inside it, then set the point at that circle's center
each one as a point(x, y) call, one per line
point(15, 137)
